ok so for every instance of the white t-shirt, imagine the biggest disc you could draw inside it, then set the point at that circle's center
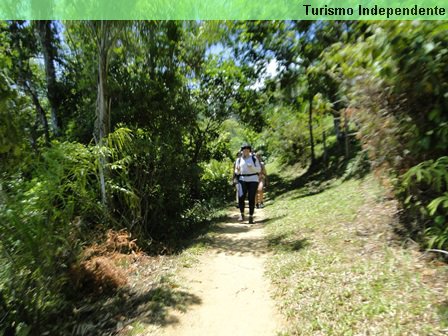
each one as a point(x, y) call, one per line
point(246, 166)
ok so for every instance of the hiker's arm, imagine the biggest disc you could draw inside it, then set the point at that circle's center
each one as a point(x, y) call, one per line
point(236, 169)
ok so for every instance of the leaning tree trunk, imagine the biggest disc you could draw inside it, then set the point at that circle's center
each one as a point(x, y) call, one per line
point(46, 38)
point(40, 118)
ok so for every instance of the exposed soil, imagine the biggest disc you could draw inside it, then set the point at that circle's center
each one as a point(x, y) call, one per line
point(235, 297)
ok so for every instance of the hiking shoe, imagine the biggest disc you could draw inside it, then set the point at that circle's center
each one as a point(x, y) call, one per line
point(241, 218)
point(257, 206)
point(251, 219)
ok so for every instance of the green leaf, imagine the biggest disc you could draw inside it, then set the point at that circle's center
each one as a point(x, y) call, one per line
point(433, 206)
point(432, 241)
point(434, 115)
point(443, 28)
point(440, 220)
point(441, 242)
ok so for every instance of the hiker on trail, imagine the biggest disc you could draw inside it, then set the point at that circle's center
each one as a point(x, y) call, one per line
point(262, 182)
point(248, 168)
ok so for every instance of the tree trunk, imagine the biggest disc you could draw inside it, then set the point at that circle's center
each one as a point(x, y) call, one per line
point(46, 38)
point(324, 139)
point(102, 112)
point(40, 117)
point(347, 150)
point(104, 40)
point(195, 178)
point(337, 126)
point(310, 127)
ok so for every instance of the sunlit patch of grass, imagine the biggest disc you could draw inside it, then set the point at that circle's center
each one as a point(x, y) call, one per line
point(137, 328)
point(189, 257)
point(338, 283)
point(443, 312)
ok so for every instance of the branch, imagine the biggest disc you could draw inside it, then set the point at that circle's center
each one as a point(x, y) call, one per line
point(436, 250)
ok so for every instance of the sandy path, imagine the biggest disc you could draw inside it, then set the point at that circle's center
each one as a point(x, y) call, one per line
point(230, 282)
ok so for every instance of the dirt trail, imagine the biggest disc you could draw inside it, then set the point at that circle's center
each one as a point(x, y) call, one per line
point(230, 282)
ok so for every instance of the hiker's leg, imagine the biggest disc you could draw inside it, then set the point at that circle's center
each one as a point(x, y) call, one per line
point(252, 190)
point(260, 193)
point(237, 198)
point(242, 198)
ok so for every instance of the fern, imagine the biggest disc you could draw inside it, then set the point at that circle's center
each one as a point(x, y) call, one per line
point(425, 188)
point(437, 236)
point(440, 203)
point(434, 174)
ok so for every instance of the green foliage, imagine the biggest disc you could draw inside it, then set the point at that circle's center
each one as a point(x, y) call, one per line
point(297, 99)
point(167, 102)
point(429, 173)
point(394, 77)
point(425, 188)
point(47, 217)
point(287, 137)
point(358, 166)
point(15, 116)
point(42, 218)
point(215, 180)
point(15, 111)
point(148, 195)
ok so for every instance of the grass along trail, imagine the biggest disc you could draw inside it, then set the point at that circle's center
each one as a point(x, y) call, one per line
point(338, 268)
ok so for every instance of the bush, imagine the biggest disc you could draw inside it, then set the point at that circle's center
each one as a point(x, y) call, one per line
point(425, 194)
point(216, 180)
point(396, 87)
point(41, 228)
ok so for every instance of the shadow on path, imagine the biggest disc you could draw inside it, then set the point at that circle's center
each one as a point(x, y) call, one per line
point(107, 315)
point(251, 245)
point(284, 243)
point(239, 238)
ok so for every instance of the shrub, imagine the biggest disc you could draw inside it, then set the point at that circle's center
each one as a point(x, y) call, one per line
point(41, 228)
point(425, 193)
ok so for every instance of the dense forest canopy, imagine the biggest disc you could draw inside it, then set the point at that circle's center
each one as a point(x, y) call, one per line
point(135, 125)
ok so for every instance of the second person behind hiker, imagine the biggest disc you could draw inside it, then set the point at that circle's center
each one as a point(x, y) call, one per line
point(262, 183)
point(248, 168)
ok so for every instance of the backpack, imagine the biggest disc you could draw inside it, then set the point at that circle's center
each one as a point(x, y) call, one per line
point(254, 159)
